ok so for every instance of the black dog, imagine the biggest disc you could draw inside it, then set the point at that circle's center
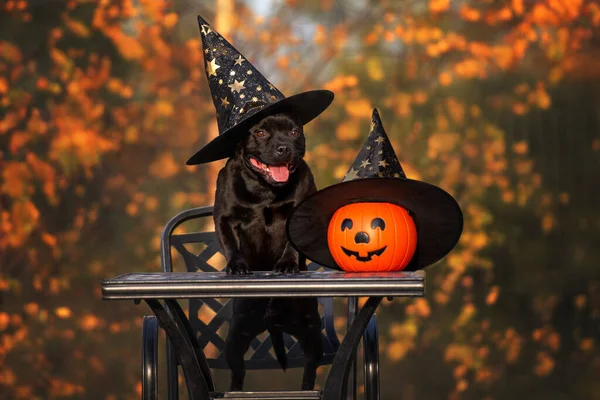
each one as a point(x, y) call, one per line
point(256, 192)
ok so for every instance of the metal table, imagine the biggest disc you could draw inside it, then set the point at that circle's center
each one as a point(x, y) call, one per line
point(161, 291)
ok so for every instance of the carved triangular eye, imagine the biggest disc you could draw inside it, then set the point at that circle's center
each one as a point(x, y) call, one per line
point(346, 224)
point(378, 223)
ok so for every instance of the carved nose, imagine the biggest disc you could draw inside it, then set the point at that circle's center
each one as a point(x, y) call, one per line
point(282, 150)
point(362, 237)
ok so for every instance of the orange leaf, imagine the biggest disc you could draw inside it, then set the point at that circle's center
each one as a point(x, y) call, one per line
point(89, 322)
point(520, 148)
point(283, 62)
point(25, 216)
point(49, 239)
point(77, 27)
point(419, 97)
point(403, 104)
point(347, 130)
point(16, 178)
point(129, 47)
point(18, 140)
point(586, 344)
point(3, 85)
point(320, 35)
point(520, 108)
point(437, 6)
point(422, 307)
point(492, 296)
point(63, 312)
point(469, 14)
point(164, 166)
point(445, 78)
point(31, 308)
point(548, 222)
point(503, 56)
point(543, 99)
point(170, 20)
point(10, 52)
point(359, 108)
point(545, 364)
point(517, 6)
point(4, 320)
point(164, 108)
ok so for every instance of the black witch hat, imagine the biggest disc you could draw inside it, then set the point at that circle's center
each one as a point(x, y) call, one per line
point(377, 176)
point(243, 96)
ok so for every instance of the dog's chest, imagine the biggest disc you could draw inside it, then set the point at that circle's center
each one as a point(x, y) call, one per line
point(262, 232)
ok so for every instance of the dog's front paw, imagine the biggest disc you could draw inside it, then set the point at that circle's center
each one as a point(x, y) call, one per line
point(286, 267)
point(238, 266)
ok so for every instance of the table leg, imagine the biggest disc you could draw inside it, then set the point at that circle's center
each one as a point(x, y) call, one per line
point(194, 377)
point(182, 321)
point(352, 378)
point(336, 386)
point(172, 372)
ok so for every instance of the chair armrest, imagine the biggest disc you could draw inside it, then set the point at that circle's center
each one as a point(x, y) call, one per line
point(149, 358)
point(165, 239)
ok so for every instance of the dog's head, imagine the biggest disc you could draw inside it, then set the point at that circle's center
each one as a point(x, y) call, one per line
point(274, 148)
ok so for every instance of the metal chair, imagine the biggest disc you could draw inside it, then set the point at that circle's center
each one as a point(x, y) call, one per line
point(208, 333)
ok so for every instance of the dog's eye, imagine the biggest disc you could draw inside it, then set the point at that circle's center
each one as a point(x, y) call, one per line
point(378, 223)
point(346, 224)
point(260, 133)
point(295, 132)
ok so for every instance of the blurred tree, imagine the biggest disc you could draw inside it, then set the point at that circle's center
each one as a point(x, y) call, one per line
point(97, 101)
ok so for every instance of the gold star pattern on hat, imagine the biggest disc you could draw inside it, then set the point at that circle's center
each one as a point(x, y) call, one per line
point(239, 60)
point(205, 29)
point(377, 151)
point(351, 175)
point(233, 78)
point(237, 86)
point(211, 68)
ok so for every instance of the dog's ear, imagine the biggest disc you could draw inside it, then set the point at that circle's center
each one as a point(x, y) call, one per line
point(239, 149)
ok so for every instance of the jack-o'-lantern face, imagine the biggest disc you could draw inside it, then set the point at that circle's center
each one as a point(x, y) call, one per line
point(370, 237)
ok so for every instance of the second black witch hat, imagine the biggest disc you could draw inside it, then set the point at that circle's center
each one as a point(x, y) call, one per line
point(377, 176)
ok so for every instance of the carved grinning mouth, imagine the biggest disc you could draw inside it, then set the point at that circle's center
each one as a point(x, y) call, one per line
point(276, 173)
point(369, 256)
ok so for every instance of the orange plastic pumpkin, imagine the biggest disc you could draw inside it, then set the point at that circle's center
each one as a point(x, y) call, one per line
point(372, 237)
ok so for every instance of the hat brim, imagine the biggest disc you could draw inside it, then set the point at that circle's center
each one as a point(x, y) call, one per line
point(305, 106)
point(438, 217)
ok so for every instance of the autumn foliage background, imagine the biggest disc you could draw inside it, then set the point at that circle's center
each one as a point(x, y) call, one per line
point(102, 102)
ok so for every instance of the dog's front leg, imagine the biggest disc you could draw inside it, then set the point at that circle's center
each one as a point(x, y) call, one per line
point(236, 264)
point(289, 261)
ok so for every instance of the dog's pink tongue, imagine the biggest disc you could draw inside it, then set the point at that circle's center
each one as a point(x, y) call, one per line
point(280, 173)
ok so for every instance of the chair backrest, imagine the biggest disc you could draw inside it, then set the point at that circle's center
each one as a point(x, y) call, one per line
point(201, 252)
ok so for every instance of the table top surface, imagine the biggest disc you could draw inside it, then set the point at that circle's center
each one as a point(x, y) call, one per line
point(153, 285)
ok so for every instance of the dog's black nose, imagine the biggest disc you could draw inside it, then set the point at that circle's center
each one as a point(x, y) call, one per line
point(282, 150)
point(362, 237)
